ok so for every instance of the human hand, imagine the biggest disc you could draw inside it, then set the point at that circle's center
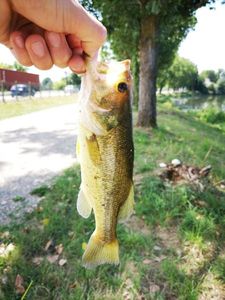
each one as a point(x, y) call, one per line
point(43, 33)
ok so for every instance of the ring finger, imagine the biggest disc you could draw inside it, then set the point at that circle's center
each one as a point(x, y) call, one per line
point(59, 48)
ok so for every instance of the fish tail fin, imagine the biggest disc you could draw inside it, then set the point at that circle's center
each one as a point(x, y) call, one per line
point(98, 252)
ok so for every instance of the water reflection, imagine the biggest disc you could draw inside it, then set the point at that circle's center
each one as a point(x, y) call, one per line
point(200, 102)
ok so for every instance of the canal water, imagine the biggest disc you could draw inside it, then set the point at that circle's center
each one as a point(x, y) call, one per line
point(200, 102)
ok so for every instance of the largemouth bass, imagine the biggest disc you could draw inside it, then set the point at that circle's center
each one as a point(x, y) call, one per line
point(105, 152)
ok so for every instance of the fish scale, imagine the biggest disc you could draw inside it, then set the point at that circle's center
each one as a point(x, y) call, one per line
point(106, 158)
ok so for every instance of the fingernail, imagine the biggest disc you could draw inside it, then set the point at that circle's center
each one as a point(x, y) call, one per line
point(19, 41)
point(54, 39)
point(79, 70)
point(38, 49)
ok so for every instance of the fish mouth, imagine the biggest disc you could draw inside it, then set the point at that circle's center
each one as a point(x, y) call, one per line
point(107, 70)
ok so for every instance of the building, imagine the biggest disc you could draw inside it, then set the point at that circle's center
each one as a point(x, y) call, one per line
point(10, 77)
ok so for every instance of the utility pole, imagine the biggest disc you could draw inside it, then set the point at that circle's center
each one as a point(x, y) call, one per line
point(3, 86)
point(2, 91)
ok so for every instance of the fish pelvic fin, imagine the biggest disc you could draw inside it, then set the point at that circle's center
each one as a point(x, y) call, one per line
point(98, 252)
point(83, 205)
point(127, 208)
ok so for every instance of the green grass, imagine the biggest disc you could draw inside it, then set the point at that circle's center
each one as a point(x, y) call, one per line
point(173, 249)
point(21, 107)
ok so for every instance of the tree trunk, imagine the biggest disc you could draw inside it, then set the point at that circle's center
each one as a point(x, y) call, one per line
point(148, 73)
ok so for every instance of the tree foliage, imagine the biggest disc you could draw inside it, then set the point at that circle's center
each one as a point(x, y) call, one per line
point(73, 79)
point(19, 67)
point(182, 74)
point(124, 21)
point(213, 81)
point(211, 75)
point(221, 86)
point(16, 67)
point(47, 84)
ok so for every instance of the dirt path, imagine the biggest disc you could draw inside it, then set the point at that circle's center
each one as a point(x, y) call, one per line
point(33, 149)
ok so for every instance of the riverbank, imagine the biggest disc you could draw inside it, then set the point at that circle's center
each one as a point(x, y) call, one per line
point(209, 109)
point(173, 248)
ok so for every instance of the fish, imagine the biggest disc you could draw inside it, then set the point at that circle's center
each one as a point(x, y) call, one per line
point(105, 152)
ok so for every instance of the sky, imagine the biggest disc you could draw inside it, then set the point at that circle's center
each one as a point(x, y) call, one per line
point(205, 46)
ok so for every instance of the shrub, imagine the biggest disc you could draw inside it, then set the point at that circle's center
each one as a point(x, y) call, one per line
point(212, 115)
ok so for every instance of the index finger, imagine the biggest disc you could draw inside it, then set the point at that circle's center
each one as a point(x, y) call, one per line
point(71, 18)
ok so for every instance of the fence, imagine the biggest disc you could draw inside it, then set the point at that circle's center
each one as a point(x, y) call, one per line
point(18, 83)
point(29, 91)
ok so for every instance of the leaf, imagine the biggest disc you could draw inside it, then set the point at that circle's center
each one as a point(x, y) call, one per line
point(154, 288)
point(71, 234)
point(147, 261)
point(160, 258)
point(84, 246)
point(40, 191)
point(18, 198)
point(73, 285)
point(52, 258)
point(49, 245)
point(157, 248)
point(5, 235)
point(59, 249)
point(45, 221)
point(39, 209)
point(62, 262)
point(19, 284)
point(37, 260)
point(4, 279)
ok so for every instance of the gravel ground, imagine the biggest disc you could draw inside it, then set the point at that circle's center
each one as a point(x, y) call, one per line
point(33, 149)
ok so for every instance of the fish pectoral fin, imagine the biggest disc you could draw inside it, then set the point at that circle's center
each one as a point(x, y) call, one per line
point(83, 205)
point(128, 207)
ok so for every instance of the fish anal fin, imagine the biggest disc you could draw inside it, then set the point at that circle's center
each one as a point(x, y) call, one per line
point(128, 206)
point(98, 252)
point(83, 205)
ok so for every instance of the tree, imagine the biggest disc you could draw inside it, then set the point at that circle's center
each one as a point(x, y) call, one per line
point(221, 86)
point(210, 74)
point(6, 66)
point(47, 84)
point(59, 85)
point(182, 74)
point(201, 87)
point(19, 67)
point(73, 79)
point(16, 66)
point(151, 30)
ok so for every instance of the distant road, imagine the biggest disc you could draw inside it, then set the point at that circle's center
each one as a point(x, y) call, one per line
point(33, 149)
point(42, 94)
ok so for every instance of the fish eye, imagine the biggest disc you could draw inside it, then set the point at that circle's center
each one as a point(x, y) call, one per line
point(122, 87)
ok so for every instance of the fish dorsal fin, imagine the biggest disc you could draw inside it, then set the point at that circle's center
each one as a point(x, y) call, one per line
point(128, 207)
point(83, 205)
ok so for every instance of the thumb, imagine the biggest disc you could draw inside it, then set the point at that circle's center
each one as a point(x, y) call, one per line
point(64, 16)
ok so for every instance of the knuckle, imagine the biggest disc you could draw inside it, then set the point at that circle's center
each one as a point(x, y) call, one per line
point(102, 33)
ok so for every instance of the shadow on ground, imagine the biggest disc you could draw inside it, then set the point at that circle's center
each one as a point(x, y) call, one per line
point(45, 143)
